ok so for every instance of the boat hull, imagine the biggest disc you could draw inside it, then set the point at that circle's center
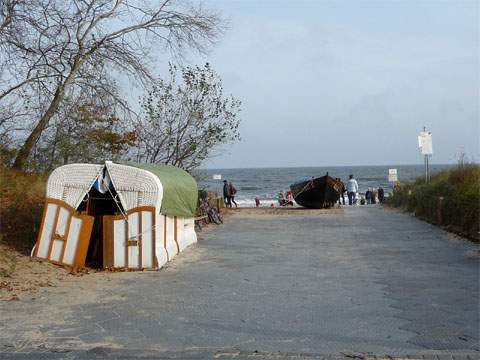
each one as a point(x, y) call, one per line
point(317, 193)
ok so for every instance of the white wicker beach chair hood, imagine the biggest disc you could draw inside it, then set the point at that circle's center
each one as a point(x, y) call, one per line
point(135, 187)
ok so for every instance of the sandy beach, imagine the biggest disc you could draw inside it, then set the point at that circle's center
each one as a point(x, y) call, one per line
point(282, 211)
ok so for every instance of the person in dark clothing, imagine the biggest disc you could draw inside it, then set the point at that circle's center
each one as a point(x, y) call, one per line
point(233, 191)
point(226, 194)
point(381, 195)
point(368, 196)
point(373, 197)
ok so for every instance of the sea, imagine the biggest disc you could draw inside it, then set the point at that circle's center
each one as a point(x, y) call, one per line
point(266, 183)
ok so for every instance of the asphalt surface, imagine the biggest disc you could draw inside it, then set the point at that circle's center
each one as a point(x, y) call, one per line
point(369, 281)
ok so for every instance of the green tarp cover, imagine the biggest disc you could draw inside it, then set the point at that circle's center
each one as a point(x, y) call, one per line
point(180, 190)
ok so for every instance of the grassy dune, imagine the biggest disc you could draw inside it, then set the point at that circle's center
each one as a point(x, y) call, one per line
point(21, 203)
point(451, 199)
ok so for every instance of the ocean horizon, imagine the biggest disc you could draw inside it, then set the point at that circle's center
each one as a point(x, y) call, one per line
point(266, 183)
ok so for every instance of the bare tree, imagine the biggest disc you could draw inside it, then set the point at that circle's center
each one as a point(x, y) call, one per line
point(186, 118)
point(50, 45)
point(7, 12)
point(86, 128)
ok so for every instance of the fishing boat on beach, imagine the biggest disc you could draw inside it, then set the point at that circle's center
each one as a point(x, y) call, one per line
point(317, 192)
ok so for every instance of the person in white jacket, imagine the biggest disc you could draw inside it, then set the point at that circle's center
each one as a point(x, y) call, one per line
point(352, 189)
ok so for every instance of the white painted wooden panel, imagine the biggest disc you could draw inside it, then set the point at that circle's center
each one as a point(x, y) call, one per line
point(171, 247)
point(47, 231)
point(147, 230)
point(56, 250)
point(160, 251)
point(62, 222)
point(190, 234)
point(119, 243)
point(181, 234)
point(133, 232)
point(72, 240)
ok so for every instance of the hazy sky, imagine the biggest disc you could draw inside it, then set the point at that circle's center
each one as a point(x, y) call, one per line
point(349, 82)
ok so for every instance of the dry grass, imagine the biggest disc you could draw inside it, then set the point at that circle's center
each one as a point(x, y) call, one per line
point(22, 196)
point(21, 203)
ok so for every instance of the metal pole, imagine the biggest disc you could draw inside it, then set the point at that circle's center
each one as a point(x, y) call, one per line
point(428, 168)
point(425, 165)
point(425, 160)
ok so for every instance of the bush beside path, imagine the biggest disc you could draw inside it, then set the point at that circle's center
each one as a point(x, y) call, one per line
point(451, 199)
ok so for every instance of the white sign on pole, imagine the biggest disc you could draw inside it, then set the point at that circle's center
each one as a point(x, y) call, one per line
point(217, 177)
point(392, 175)
point(425, 143)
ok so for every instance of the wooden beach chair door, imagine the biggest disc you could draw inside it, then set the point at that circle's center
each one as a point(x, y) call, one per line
point(64, 235)
point(129, 240)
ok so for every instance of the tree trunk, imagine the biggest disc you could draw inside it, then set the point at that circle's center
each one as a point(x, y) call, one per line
point(26, 149)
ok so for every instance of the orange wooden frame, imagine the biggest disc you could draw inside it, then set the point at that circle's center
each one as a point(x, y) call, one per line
point(83, 241)
point(108, 234)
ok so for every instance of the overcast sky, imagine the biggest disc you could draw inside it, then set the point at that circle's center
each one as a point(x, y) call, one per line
point(349, 82)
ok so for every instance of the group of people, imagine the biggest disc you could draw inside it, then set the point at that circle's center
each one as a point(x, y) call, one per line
point(371, 195)
point(229, 192)
point(285, 199)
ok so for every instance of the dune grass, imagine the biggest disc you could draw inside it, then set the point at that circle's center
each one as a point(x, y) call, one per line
point(21, 203)
point(451, 199)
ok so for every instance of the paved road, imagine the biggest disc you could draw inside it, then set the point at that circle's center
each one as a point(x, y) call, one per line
point(366, 281)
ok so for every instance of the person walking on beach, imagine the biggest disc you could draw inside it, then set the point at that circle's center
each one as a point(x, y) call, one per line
point(373, 197)
point(226, 194)
point(381, 195)
point(233, 191)
point(368, 196)
point(352, 189)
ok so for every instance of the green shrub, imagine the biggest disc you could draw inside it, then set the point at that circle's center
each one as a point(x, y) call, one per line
point(451, 198)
